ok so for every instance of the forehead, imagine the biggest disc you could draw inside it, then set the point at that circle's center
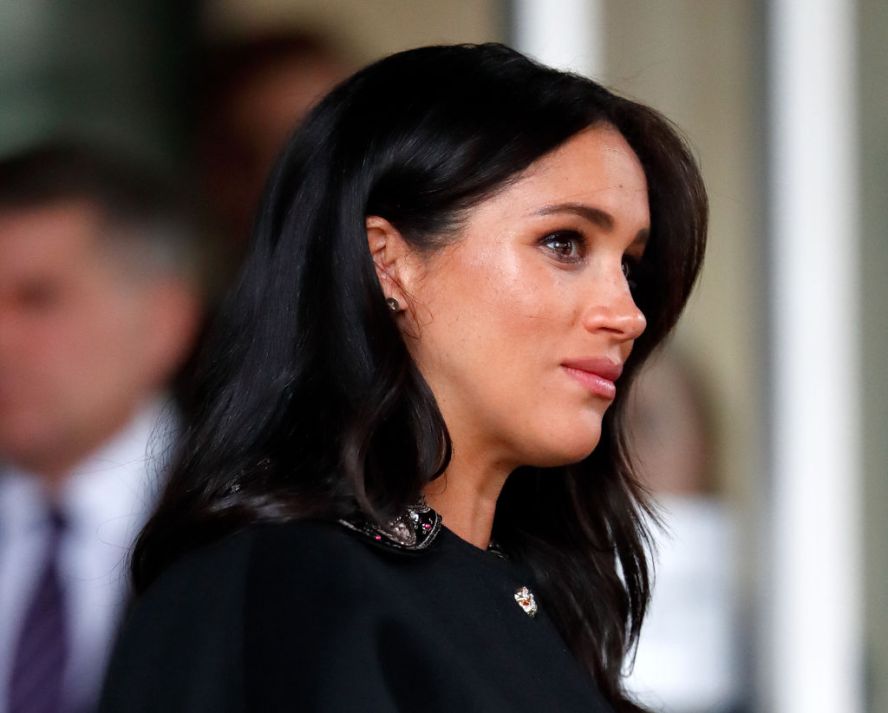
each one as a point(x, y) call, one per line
point(59, 236)
point(597, 167)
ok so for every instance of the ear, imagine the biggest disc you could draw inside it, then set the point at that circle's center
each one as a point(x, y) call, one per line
point(392, 257)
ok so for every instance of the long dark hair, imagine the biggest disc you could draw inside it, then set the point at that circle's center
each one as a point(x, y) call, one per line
point(310, 403)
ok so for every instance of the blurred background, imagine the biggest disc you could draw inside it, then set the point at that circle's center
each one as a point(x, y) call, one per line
point(761, 427)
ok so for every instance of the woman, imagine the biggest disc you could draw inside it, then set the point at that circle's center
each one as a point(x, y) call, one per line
point(409, 486)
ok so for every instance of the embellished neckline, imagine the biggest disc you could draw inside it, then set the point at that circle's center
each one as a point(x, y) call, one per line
point(418, 527)
point(413, 531)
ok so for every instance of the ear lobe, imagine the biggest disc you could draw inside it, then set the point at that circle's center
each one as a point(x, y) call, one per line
point(388, 249)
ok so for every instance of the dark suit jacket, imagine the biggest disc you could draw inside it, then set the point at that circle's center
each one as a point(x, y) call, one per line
point(313, 617)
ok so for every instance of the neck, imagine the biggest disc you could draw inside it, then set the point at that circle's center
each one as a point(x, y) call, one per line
point(53, 470)
point(54, 464)
point(465, 496)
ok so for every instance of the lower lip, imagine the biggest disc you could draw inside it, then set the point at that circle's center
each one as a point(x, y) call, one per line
point(598, 385)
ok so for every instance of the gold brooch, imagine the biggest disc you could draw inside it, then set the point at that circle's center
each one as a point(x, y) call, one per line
point(526, 601)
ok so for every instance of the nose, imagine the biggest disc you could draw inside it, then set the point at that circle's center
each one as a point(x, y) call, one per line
point(612, 309)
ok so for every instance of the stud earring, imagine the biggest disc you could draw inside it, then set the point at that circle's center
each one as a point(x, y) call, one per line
point(393, 304)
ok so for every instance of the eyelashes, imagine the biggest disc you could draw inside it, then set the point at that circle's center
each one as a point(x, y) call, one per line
point(571, 247)
point(566, 245)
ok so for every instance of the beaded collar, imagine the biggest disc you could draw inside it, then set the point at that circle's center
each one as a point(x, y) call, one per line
point(413, 531)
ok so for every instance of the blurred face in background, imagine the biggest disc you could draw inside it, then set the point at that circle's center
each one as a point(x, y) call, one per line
point(83, 336)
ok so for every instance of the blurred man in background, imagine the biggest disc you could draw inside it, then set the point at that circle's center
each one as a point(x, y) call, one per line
point(101, 275)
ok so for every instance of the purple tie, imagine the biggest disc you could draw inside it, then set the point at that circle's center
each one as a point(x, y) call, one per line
point(35, 685)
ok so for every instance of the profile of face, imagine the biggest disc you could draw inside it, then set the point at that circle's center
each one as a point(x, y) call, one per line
point(522, 323)
point(82, 337)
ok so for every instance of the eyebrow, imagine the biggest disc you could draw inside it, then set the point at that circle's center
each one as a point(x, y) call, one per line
point(594, 215)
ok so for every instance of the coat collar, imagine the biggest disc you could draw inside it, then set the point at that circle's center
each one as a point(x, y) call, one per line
point(412, 531)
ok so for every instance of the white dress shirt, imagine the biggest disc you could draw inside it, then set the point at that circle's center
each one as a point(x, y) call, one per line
point(105, 501)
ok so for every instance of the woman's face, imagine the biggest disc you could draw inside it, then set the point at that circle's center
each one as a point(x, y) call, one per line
point(521, 325)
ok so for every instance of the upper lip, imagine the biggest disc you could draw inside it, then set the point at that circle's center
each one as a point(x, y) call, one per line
point(602, 367)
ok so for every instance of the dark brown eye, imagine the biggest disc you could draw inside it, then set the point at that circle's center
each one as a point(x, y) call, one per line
point(566, 245)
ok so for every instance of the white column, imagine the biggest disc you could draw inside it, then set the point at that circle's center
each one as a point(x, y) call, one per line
point(566, 34)
point(814, 623)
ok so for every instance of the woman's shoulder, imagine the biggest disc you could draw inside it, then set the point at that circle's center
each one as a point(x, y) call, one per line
point(308, 560)
point(214, 582)
point(322, 566)
point(314, 548)
point(226, 601)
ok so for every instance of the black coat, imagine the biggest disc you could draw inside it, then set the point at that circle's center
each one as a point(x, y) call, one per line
point(312, 617)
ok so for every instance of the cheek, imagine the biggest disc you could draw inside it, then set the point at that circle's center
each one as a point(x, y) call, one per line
point(548, 419)
point(57, 342)
point(492, 314)
point(494, 322)
point(92, 346)
point(492, 354)
point(528, 313)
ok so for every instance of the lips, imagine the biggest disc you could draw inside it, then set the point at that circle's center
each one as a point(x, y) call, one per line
point(596, 374)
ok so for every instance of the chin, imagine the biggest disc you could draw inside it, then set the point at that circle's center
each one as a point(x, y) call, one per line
point(19, 438)
point(567, 453)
